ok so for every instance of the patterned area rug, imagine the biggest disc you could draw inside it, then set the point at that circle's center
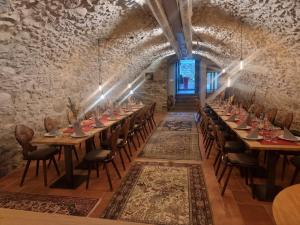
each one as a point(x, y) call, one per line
point(74, 206)
point(162, 193)
point(176, 138)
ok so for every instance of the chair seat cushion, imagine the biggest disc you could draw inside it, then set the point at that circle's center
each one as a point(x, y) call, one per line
point(234, 146)
point(42, 152)
point(242, 159)
point(97, 155)
point(296, 161)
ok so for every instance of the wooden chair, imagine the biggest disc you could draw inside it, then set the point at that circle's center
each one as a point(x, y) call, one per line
point(132, 133)
point(24, 136)
point(271, 114)
point(49, 125)
point(104, 156)
point(242, 161)
point(296, 163)
point(123, 142)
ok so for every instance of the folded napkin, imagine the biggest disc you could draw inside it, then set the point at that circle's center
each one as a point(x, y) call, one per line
point(242, 125)
point(98, 123)
point(113, 117)
point(77, 129)
point(232, 118)
point(253, 134)
point(288, 135)
point(54, 131)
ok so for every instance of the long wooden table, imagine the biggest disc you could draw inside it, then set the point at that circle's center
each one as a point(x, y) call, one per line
point(267, 191)
point(69, 180)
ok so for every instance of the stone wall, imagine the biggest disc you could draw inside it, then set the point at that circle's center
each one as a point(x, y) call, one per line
point(156, 89)
point(270, 47)
point(49, 51)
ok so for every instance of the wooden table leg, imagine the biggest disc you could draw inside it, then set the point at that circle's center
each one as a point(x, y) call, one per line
point(69, 180)
point(69, 165)
point(268, 191)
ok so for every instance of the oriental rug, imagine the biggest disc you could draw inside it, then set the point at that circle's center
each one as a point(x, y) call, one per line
point(176, 138)
point(74, 206)
point(163, 194)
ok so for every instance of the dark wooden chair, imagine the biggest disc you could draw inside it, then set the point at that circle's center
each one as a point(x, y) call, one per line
point(24, 136)
point(132, 132)
point(123, 141)
point(104, 156)
point(243, 161)
point(50, 124)
point(271, 115)
point(296, 163)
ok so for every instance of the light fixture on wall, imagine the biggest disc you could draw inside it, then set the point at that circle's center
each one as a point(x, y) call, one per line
point(241, 59)
point(228, 82)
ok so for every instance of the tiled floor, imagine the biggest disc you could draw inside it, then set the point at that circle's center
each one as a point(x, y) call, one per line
point(236, 207)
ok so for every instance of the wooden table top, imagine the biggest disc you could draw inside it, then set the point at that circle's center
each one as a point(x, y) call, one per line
point(286, 206)
point(17, 217)
point(66, 139)
point(256, 145)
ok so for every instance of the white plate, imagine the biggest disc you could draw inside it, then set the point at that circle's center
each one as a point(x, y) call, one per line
point(281, 137)
point(254, 139)
point(94, 126)
point(236, 119)
point(75, 136)
point(51, 135)
point(246, 128)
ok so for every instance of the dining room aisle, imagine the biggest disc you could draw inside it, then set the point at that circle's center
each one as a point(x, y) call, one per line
point(167, 184)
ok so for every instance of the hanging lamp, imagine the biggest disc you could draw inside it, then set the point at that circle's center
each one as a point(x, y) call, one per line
point(241, 58)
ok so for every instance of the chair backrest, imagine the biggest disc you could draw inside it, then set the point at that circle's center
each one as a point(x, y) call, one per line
point(288, 120)
point(113, 140)
point(89, 114)
point(258, 110)
point(153, 106)
point(271, 114)
point(24, 136)
point(50, 124)
point(220, 140)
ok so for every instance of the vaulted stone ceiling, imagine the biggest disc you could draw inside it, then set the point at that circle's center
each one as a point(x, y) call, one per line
point(49, 51)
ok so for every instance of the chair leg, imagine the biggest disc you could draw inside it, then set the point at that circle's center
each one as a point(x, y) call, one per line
point(55, 165)
point(223, 172)
point(226, 181)
point(126, 153)
point(25, 172)
point(294, 176)
point(97, 168)
point(218, 165)
point(116, 168)
point(129, 148)
point(209, 149)
point(49, 163)
point(37, 167)
point(216, 159)
point(88, 176)
point(153, 120)
point(132, 141)
point(122, 160)
point(45, 172)
point(59, 154)
point(108, 176)
point(75, 152)
point(138, 139)
point(140, 132)
point(285, 160)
